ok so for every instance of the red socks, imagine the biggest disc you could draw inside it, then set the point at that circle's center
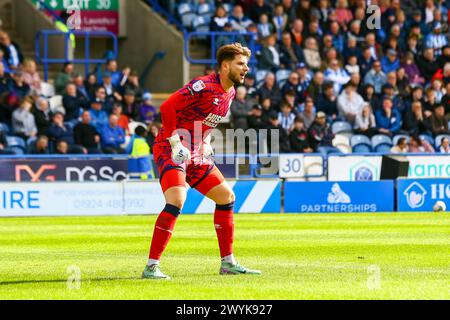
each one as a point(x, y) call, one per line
point(163, 231)
point(224, 224)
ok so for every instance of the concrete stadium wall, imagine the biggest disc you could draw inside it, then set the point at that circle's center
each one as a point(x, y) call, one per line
point(148, 33)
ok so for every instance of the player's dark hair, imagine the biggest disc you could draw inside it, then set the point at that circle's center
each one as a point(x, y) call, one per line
point(229, 51)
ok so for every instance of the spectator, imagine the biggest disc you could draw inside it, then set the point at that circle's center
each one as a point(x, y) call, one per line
point(31, 76)
point(82, 91)
point(147, 112)
point(112, 137)
point(308, 114)
point(327, 101)
point(444, 146)
point(296, 32)
point(255, 118)
point(40, 146)
point(238, 20)
point(62, 147)
point(417, 145)
point(5, 81)
point(42, 115)
point(258, 8)
point(23, 122)
point(270, 89)
point(390, 62)
point(343, 13)
point(412, 70)
point(265, 28)
point(315, 88)
point(91, 85)
point(337, 38)
point(401, 146)
point(267, 110)
point(320, 135)
point(86, 135)
point(63, 78)
point(280, 19)
point(122, 119)
point(439, 122)
point(291, 83)
point(219, 19)
point(290, 53)
point(18, 87)
point(112, 69)
point(337, 75)
point(12, 51)
point(59, 131)
point(426, 64)
point(225, 39)
point(72, 104)
point(298, 137)
point(283, 141)
point(388, 118)
point(286, 117)
point(415, 121)
point(311, 54)
point(365, 122)
point(376, 77)
point(352, 65)
point(240, 109)
point(130, 107)
point(99, 117)
point(132, 84)
point(270, 58)
point(365, 61)
point(110, 90)
point(350, 103)
point(153, 131)
point(436, 40)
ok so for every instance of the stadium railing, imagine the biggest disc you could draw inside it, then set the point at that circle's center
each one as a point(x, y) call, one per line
point(248, 37)
point(86, 61)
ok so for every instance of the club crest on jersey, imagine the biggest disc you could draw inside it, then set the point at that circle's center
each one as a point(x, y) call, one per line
point(212, 120)
point(198, 86)
point(216, 101)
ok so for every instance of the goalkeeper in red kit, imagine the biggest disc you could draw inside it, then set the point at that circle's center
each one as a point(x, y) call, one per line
point(183, 154)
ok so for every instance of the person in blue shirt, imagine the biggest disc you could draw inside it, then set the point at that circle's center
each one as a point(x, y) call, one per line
point(388, 118)
point(98, 116)
point(390, 62)
point(112, 137)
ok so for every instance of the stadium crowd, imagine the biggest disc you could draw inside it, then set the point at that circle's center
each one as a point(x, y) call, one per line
point(318, 63)
point(383, 74)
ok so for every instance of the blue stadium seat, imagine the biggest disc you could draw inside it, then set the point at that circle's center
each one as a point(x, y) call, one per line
point(4, 128)
point(383, 148)
point(427, 138)
point(381, 139)
point(282, 75)
point(260, 76)
point(438, 139)
point(14, 141)
point(205, 10)
point(30, 143)
point(360, 144)
point(397, 137)
point(201, 23)
point(361, 148)
point(341, 127)
point(16, 150)
point(187, 14)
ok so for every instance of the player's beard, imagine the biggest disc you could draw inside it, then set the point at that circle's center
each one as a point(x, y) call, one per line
point(235, 77)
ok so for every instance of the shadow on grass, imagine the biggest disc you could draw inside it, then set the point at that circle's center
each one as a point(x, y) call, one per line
point(7, 283)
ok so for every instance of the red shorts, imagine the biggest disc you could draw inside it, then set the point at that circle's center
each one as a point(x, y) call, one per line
point(201, 175)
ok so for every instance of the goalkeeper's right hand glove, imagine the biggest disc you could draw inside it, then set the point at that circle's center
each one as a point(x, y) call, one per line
point(180, 153)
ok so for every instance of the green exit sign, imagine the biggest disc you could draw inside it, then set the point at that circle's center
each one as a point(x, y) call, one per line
point(91, 5)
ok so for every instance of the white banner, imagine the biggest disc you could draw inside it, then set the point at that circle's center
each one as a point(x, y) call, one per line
point(80, 198)
point(368, 168)
point(291, 165)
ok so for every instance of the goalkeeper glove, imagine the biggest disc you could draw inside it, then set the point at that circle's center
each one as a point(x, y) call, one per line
point(207, 150)
point(180, 153)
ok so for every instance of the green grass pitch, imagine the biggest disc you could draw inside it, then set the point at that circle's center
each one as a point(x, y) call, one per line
point(333, 256)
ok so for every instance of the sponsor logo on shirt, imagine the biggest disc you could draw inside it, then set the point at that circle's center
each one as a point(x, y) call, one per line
point(198, 86)
point(212, 120)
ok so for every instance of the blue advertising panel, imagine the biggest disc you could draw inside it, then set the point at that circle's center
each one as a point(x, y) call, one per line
point(421, 194)
point(328, 196)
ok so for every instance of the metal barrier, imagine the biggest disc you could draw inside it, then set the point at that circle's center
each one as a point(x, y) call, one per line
point(248, 37)
point(87, 61)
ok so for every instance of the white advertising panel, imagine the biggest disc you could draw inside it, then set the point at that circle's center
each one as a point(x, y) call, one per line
point(291, 165)
point(143, 197)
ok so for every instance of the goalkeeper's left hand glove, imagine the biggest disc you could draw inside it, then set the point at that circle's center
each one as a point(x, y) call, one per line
point(208, 151)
